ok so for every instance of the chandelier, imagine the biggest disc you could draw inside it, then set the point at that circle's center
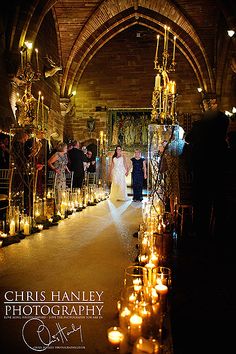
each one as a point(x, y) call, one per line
point(164, 93)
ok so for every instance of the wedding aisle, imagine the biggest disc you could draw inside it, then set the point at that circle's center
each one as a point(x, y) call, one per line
point(73, 273)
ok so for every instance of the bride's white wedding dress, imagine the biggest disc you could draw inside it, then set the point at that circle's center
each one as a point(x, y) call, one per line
point(118, 184)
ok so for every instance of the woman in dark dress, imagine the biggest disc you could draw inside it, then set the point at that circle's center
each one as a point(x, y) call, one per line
point(139, 173)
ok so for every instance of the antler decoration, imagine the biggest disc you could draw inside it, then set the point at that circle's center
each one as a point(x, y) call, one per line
point(54, 67)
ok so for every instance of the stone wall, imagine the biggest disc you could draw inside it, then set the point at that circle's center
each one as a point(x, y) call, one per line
point(121, 75)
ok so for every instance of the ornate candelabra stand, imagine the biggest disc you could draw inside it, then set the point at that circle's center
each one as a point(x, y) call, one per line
point(28, 107)
point(30, 160)
point(164, 93)
point(164, 133)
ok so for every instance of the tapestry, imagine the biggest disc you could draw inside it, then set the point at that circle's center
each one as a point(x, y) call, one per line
point(128, 128)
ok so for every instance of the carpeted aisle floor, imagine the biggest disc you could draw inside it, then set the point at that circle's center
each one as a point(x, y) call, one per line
point(87, 253)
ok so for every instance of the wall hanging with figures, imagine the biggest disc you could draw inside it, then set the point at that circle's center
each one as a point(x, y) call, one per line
point(128, 127)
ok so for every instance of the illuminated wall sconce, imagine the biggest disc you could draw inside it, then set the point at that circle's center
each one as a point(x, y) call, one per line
point(199, 89)
point(231, 33)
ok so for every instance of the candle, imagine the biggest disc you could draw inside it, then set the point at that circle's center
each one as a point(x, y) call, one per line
point(144, 312)
point(37, 113)
point(42, 98)
point(37, 59)
point(124, 318)
point(137, 284)
point(154, 259)
point(156, 54)
point(149, 266)
point(21, 225)
point(118, 305)
point(97, 147)
point(26, 228)
point(157, 82)
point(21, 60)
point(63, 208)
point(161, 288)
point(165, 38)
point(144, 345)
point(143, 258)
point(135, 327)
point(132, 298)
point(3, 235)
point(173, 57)
point(115, 336)
point(12, 228)
point(160, 102)
point(173, 87)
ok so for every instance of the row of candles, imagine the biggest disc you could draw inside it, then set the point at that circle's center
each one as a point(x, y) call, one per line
point(80, 198)
point(165, 48)
point(143, 305)
point(19, 223)
point(70, 201)
point(25, 54)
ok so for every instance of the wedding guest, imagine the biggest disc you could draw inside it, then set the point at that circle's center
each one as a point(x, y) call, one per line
point(139, 173)
point(91, 162)
point(77, 164)
point(58, 163)
point(207, 145)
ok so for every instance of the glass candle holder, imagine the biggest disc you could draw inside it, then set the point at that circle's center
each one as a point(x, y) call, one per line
point(143, 345)
point(135, 275)
point(115, 337)
point(164, 275)
point(27, 225)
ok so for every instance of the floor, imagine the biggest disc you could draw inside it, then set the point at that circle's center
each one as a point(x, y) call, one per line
point(86, 255)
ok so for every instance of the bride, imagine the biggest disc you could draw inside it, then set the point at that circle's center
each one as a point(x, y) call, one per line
point(118, 171)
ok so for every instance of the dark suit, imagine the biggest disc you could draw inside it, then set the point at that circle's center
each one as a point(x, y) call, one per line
point(207, 146)
point(76, 164)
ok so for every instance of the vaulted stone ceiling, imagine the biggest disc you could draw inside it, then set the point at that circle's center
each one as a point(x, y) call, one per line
point(83, 27)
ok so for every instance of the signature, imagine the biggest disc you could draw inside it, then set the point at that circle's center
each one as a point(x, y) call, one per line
point(41, 337)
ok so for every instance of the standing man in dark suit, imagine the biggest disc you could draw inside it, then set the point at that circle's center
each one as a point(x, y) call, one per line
point(77, 164)
point(207, 144)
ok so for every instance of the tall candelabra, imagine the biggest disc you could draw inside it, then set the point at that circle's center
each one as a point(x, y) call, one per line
point(164, 93)
point(28, 107)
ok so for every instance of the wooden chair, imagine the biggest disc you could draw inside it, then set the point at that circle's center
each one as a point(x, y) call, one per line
point(51, 179)
point(91, 179)
point(69, 180)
